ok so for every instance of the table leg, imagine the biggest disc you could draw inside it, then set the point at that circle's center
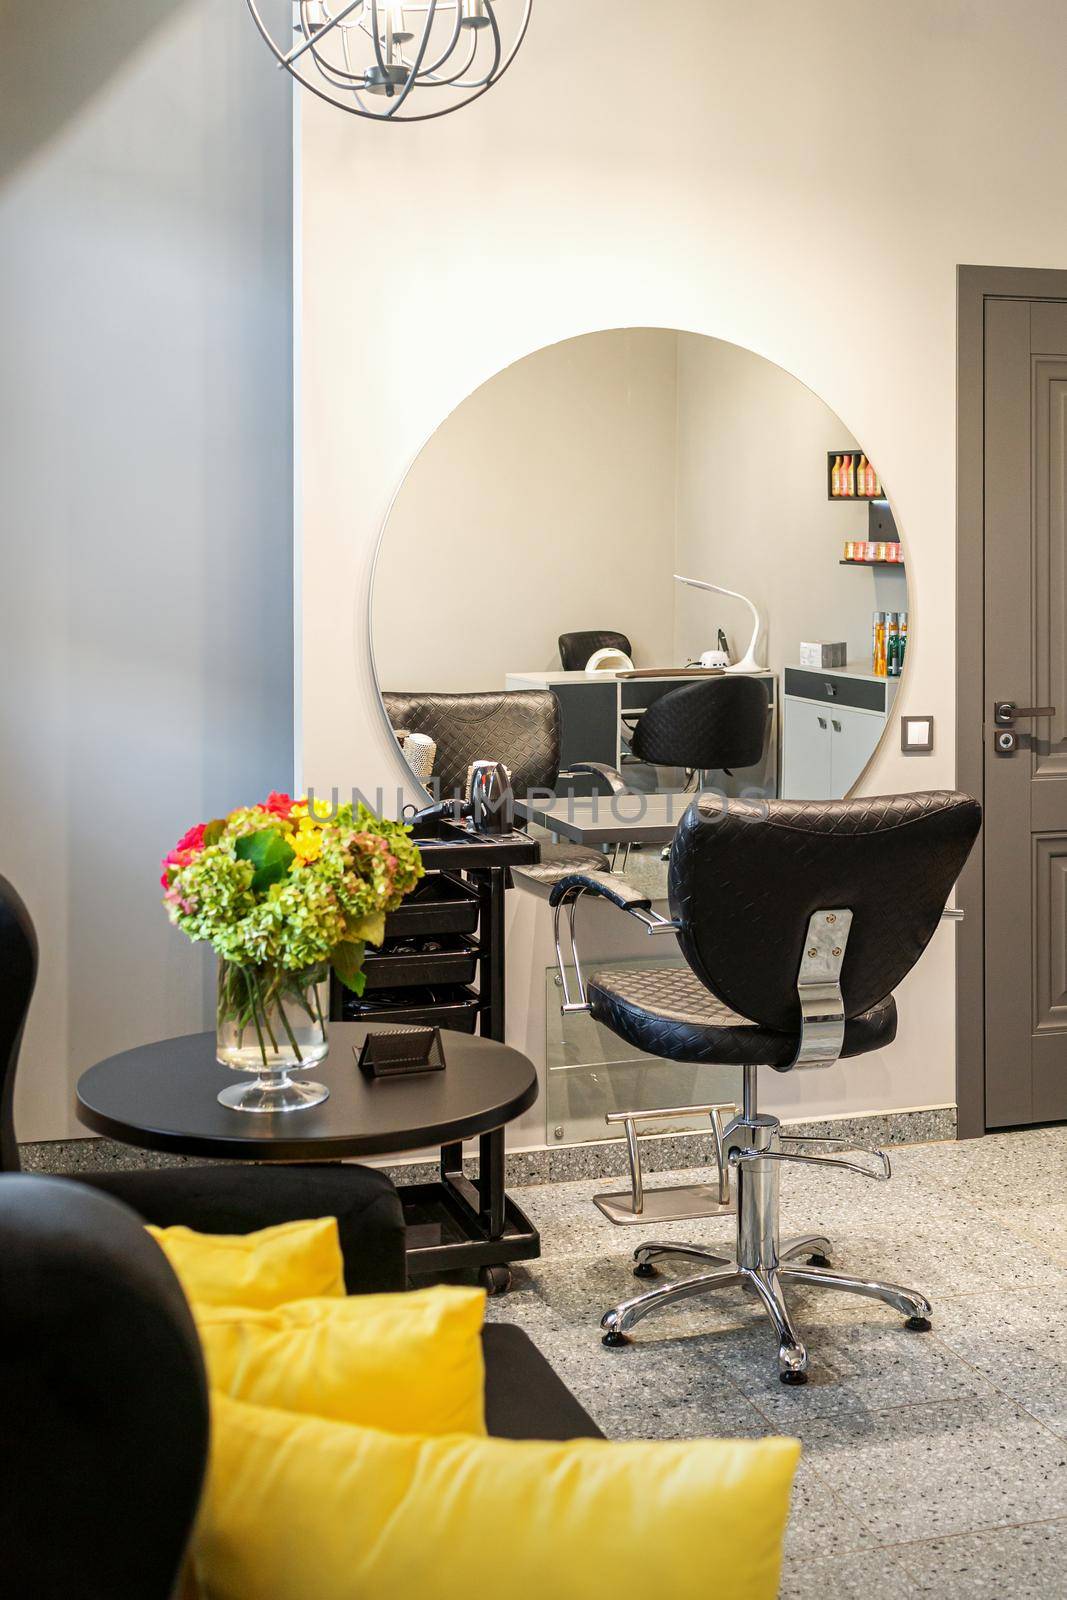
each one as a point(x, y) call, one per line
point(491, 890)
point(451, 1159)
point(491, 1161)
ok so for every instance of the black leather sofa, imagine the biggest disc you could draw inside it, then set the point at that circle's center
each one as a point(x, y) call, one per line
point(104, 1428)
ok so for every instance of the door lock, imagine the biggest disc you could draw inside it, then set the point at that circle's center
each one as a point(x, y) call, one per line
point(1005, 714)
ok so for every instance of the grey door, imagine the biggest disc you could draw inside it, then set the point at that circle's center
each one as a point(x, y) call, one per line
point(1025, 836)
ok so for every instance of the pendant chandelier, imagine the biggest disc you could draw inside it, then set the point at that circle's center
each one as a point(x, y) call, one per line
point(395, 62)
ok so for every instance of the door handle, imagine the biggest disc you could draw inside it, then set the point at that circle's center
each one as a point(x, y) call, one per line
point(822, 722)
point(835, 724)
point(1005, 712)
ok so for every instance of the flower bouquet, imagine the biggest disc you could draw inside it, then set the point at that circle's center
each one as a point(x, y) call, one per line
point(283, 892)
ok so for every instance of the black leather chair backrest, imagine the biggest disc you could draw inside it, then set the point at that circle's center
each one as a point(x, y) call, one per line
point(745, 877)
point(576, 648)
point(18, 974)
point(104, 1399)
point(517, 726)
point(710, 723)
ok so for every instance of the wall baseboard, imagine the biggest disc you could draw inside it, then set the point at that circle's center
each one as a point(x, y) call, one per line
point(604, 1158)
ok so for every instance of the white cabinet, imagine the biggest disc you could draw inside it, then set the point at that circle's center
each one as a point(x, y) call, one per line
point(805, 751)
point(827, 739)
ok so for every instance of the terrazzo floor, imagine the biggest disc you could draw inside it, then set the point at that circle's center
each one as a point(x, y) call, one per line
point(934, 1464)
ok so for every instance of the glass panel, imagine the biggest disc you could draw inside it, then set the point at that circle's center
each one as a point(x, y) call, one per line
point(592, 1071)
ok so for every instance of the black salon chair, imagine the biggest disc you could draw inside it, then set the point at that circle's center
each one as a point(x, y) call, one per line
point(220, 1197)
point(575, 649)
point(797, 921)
point(712, 724)
point(520, 727)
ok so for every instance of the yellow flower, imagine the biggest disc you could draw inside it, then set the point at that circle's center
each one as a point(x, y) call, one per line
point(323, 809)
point(306, 840)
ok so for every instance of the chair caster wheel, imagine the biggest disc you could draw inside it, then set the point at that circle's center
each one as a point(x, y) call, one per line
point(793, 1379)
point(918, 1324)
point(645, 1269)
point(495, 1280)
point(818, 1261)
point(613, 1339)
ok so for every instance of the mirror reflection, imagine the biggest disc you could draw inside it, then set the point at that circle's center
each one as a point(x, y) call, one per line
point(677, 541)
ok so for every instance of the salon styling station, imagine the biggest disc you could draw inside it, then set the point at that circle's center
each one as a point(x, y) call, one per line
point(596, 708)
point(442, 965)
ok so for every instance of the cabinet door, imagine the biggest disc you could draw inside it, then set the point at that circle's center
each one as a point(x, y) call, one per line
point(854, 735)
point(805, 751)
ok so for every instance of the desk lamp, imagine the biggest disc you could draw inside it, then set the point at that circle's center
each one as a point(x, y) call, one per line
point(748, 662)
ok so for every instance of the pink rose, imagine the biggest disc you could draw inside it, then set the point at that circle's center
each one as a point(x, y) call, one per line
point(189, 845)
point(279, 805)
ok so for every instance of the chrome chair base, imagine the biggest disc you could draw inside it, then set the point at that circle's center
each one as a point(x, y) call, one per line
point(761, 1264)
point(769, 1284)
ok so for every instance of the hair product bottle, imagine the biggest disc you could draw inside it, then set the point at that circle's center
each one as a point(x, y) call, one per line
point(835, 478)
point(878, 645)
point(861, 474)
point(848, 480)
point(902, 643)
point(892, 644)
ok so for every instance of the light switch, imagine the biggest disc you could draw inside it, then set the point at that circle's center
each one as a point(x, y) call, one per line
point(917, 735)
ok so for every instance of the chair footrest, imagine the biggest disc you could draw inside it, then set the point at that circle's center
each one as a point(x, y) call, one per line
point(679, 1204)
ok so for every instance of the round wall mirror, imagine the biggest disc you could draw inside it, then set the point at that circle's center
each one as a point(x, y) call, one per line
point(673, 538)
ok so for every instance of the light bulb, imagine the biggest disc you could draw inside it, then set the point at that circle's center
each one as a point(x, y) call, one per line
point(474, 14)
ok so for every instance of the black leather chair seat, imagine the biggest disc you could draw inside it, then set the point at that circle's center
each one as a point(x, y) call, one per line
point(668, 1012)
point(524, 1398)
point(559, 861)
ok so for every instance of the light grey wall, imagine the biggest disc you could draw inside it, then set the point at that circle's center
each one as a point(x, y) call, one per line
point(753, 513)
point(544, 503)
point(146, 589)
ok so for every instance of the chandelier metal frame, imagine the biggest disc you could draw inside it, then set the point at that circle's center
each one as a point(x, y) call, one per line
point(391, 73)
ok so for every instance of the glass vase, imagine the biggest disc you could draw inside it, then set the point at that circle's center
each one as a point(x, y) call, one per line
point(271, 1023)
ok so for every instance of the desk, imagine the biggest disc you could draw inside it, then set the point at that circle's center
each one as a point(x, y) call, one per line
point(163, 1097)
point(592, 706)
point(610, 819)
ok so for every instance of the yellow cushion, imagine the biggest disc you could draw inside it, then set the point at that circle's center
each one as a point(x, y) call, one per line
point(289, 1262)
point(306, 1509)
point(408, 1363)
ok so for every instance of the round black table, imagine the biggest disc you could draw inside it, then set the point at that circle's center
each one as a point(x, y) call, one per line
point(163, 1097)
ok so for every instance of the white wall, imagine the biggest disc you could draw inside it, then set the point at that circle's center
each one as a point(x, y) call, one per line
point(800, 180)
point(752, 511)
point(544, 504)
point(146, 485)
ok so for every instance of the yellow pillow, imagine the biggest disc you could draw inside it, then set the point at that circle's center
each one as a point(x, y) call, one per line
point(289, 1262)
point(408, 1363)
point(305, 1509)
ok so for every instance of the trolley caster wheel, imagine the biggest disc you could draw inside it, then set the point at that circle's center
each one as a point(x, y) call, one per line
point(645, 1269)
point(793, 1379)
point(918, 1324)
point(614, 1340)
point(495, 1280)
point(818, 1261)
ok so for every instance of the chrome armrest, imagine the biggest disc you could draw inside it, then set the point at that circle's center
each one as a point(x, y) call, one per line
point(612, 777)
point(565, 895)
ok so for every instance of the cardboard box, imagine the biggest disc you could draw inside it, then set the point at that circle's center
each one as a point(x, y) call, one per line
point(822, 653)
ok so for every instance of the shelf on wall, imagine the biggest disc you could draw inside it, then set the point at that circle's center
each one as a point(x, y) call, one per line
point(848, 499)
point(897, 566)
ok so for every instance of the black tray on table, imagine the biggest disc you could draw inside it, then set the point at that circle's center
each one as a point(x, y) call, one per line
point(429, 959)
point(448, 844)
point(439, 903)
point(452, 1006)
